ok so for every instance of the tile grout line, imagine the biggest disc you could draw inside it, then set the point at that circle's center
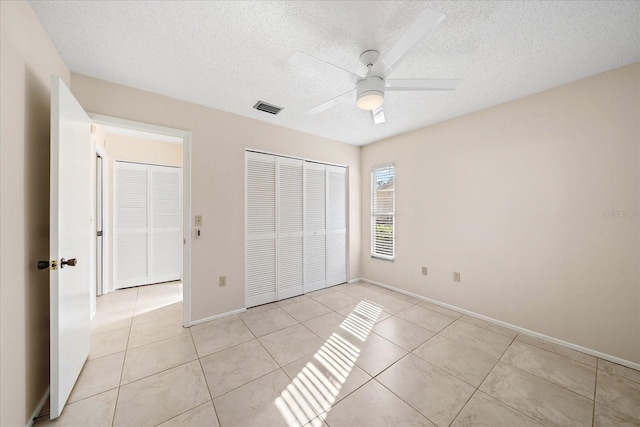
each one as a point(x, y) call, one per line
point(124, 359)
point(205, 378)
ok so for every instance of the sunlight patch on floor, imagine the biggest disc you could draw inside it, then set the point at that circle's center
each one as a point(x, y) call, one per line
point(336, 358)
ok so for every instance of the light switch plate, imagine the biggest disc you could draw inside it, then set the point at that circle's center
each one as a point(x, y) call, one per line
point(198, 220)
point(456, 277)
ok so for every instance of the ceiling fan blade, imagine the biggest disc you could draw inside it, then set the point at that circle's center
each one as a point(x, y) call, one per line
point(330, 103)
point(427, 21)
point(378, 116)
point(421, 84)
point(304, 60)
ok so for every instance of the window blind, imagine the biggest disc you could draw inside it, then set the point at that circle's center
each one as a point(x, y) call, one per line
point(383, 212)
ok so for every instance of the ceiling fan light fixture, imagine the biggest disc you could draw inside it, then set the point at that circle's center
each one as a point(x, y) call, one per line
point(370, 92)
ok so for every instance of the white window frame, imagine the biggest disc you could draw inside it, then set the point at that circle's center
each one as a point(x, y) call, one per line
point(375, 214)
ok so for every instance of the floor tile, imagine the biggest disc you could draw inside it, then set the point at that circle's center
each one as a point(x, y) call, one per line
point(152, 314)
point(558, 349)
point(439, 309)
point(485, 411)
point(390, 304)
point(323, 383)
point(375, 354)
point(326, 325)
point(462, 362)
point(335, 300)
point(108, 343)
point(490, 326)
point(203, 415)
point(290, 344)
point(372, 405)
point(539, 399)
point(214, 322)
point(258, 309)
point(477, 338)
point(106, 322)
point(618, 393)
point(436, 394)
point(270, 400)
point(404, 297)
point(152, 358)
point(607, 417)
point(360, 292)
point(268, 321)
point(160, 397)
point(615, 369)
point(97, 376)
point(94, 411)
point(289, 301)
point(402, 333)
point(346, 311)
point(220, 336)
point(306, 309)
point(148, 333)
point(426, 318)
point(231, 368)
point(564, 372)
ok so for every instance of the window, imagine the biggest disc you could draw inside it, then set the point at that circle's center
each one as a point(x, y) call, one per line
point(383, 212)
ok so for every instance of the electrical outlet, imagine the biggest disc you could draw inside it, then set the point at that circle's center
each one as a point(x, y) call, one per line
point(424, 271)
point(198, 220)
point(456, 277)
point(222, 281)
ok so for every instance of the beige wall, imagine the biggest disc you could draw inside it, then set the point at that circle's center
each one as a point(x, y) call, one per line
point(217, 154)
point(512, 197)
point(126, 148)
point(27, 61)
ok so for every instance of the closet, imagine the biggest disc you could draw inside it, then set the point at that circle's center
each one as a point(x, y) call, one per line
point(147, 235)
point(295, 227)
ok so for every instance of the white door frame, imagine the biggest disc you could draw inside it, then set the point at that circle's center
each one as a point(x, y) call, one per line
point(186, 192)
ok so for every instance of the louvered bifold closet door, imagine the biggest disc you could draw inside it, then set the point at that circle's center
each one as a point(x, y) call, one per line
point(165, 238)
point(315, 256)
point(260, 229)
point(290, 227)
point(336, 225)
point(131, 235)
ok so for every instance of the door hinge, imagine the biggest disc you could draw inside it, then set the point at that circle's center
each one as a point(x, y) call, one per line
point(100, 233)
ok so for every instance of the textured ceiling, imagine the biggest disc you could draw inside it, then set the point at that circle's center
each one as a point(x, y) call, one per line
point(228, 55)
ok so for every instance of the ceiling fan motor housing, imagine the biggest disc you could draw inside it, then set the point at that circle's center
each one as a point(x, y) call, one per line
point(370, 92)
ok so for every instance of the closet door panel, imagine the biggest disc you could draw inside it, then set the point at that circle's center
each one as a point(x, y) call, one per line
point(290, 227)
point(131, 215)
point(261, 230)
point(315, 265)
point(165, 238)
point(336, 225)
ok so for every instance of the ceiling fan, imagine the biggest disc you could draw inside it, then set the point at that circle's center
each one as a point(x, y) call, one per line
point(370, 88)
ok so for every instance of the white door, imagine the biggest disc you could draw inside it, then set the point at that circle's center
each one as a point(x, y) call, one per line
point(315, 264)
point(290, 197)
point(70, 239)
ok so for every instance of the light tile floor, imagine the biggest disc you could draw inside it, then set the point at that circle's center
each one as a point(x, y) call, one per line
point(350, 355)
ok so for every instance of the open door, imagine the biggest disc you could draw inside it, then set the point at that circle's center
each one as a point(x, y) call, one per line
point(70, 242)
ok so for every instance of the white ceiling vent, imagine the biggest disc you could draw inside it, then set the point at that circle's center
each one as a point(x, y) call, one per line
point(267, 108)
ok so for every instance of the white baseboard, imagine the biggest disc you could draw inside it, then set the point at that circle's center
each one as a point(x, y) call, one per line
point(357, 279)
point(38, 409)
point(518, 329)
point(217, 316)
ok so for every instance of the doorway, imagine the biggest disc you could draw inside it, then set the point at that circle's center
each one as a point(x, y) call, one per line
point(105, 279)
